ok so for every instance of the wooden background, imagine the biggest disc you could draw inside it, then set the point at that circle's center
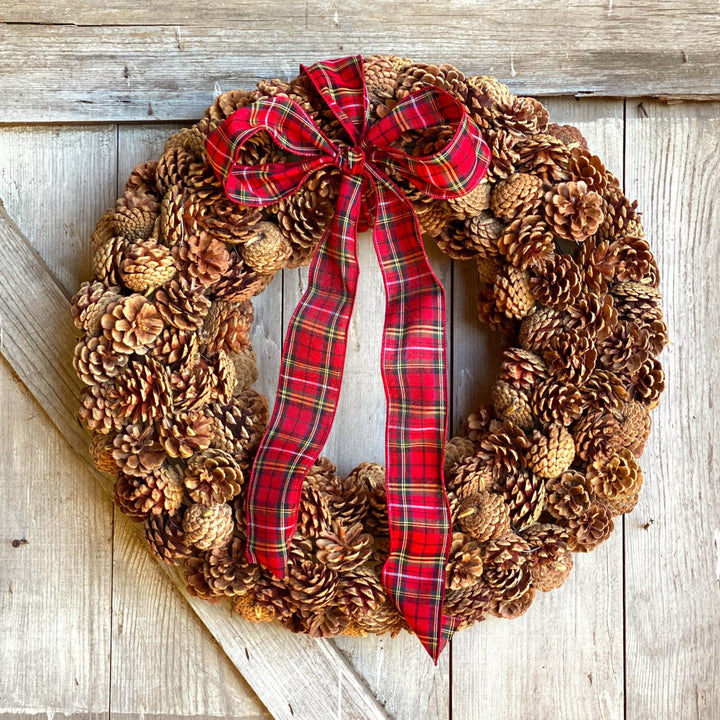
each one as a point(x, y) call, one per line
point(91, 627)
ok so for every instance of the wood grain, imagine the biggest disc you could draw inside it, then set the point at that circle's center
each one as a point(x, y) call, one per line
point(673, 537)
point(565, 656)
point(142, 62)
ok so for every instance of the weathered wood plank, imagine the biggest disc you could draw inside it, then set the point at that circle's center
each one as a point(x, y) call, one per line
point(397, 670)
point(673, 537)
point(293, 676)
point(137, 62)
point(565, 656)
point(154, 632)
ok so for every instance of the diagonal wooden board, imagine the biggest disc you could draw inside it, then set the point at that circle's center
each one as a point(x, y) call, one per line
point(295, 676)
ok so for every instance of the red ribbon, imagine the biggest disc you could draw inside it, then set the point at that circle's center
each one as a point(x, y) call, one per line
point(413, 359)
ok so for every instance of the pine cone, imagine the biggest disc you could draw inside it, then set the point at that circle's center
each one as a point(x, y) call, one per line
point(359, 592)
point(484, 90)
point(503, 449)
point(483, 232)
point(208, 526)
point(545, 156)
point(184, 433)
point(527, 242)
point(146, 266)
point(619, 213)
point(227, 103)
point(342, 549)
point(416, 75)
point(522, 368)
point(155, 493)
point(551, 453)
point(95, 412)
point(622, 505)
point(556, 402)
point(192, 386)
point(175, 348)
point(132, 324)
point(246, 606)
point(524, 496)
point(594, 315)
point(513, 292)
point(89, 304)
point(203, 258)
point(465, 565)
point(635, 261)
point(470, 476)
point(229, 222)
point(603, 390)
point(626, 349)
point(166, 538)
point(104, 231)
point(371, 477)
point(384, 619)
point(550, 558)
point(457, 450)
point(240, 282)
point(107, 259)
point(272, 597)
point(172, 168)
point(312, 585)
point(597, 260)
point(586, 532)
point(483, 516)
point(511, 404)
point(568, 135)
point(518, 194)
point(381, 81)
point(511, 609)
point(347, 499)
point(557, 282)
point(618, 476)
point(101, 451)
point(568, 495)
point(588, 168)
point(571, 356)
point(141, 393)
point(137, 451)
point(246, 371)
point(649, 383)
point(314, 517)
point(473, 203)
point(268, 250)
point(537, 330)
point(506, 570)
point(213, 477)
point(573, 211)
point(469, 604)
point(96, 361)
point(504, 155)
point(596, 433)
point(227, 570)
point(182, 303)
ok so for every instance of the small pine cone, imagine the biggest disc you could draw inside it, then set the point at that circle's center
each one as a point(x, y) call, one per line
point(166, 538)
point(141, 182)
point(527, 242)
point(96, 361)
point(573, 211)
point(593, 314)
point(504, 155)
point(182, 303)
point(469, 604)
point(510, 403)
point(550, 558)
point(175, 348)
point(465, 565)
point(95, 412)
point(622, 505)
point(487, 269)
point(381, 81)
point(513, 292)
point(470, 476)
point(156, 493)
point(434, 217)
point(221, 371)
point(571, 356)
point(506, 570)
point(537, 330)
point(524, 496)
point(208, 526)
point(635, 424)
point(649, 383)
point(229, 222)
point(89, 304)
point(587, 531)
point(485, 90)
point(596, 433)
point(268, 250)
point(483, 232)
point(227, 103)
point(483, 516)
point(551, 453)
point(174, 215)
point(101, 451)
point(383, 620)
point(196, 583)
point(202, 184)
point(603, 390)
point(246, 606)
point(146, 265)
point(359, 592)
point(246, 370)
point(545, 156)
point(172, 168)
point(457, 450)
point(625, 349)
point(347, 498)
point(184, 434)
point(620, 215)
point(191, 139)
point(518, 194)
point(240, 282)
point(524, 116)
point(371, 477)
point(557, 282)
point(227, 327)
point(312, 585)
point(588, 168)
point(473, 203)
point(503, 448)
point(104, 230)
point(615, 477)
point(568, 495)
point(328, 622)
point(522, 369)
point(272, 597)
point(314, 517)
point(597, 260)
point(555, 402)
point(107, 259)
point(191, 386)
point(132, 324)
point(137, 451)
point(203, 258)
point(635, 261)
point(342, 549)
point(227, 570)
point(478, 423)
point(141, 393)
point(511, 609)
point(490, 314)
point(213, 477)
point(416, 75)
point(568, 134)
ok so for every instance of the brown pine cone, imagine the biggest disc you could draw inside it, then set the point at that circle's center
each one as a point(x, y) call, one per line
point(473, 203)
point(96, 361)
point(524, 496)
point(556, 402)
point(229, 222)
point(506, 570)
point(483, 232)
point(227, 570)
point(342, 549)
point(327, 622)
point(470, 476)
point(381, 81)
point(551, 452)
point(635, 424)
point(503, 449)
point(550, 558)
point(513, 292)
point(246, 371)
point(141, 393)
point(238, 425)
point(522, 368)
point(483, 516)
point(491, 315)
point(568, 134)
point(573, 211)
point(518, 194)
point(104, 231)
point(89, 303)
point(594, 315)
point(649, 383)
point(196, 584)
point(597, 260)
point(314, 517)
point(510, 403)
point(203, 258)
point(371, 477)
point(586, 532)
point(478, 423)
point(635, 261)
point(571, 356)
point(182, 303)
point(545, 156)
point(568, 495)
point(172, 169)
point(596, 433)
point(524, 116)
point(468, 604)
point(383, 620)
point(208, 526)
point(465, 565)
point(191, 139)
point(527, 242)
point(272, 597)
point(175, 348)
point(146, 265)
point(95, 412)
point(227, 326)
point(347, 498)
point(618, 476)
point(106, 260)
point(359, 592)
point(504, 155)
point(227, 103)
point(137, 451)
point(267, 250)
point(192, 386)
point(626, 349)
point(416, 75)
point(213, 477)
point(589, 169)
point(155, 493)
point(184, 434)
point(511, 609)
point(537, 330)
point(246, 606)
point(221, 372)
point(434, 217)
point(622, 505)
point(484, 90)
point(132, 324)
point(142, 180)
point(240, 282)
point(557, 282)
point(603, 390)
point(312, 585)
point(165, 536)
point(619, 214)
point(457, 450)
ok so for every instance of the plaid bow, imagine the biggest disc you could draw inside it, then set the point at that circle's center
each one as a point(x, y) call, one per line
point(413, 351)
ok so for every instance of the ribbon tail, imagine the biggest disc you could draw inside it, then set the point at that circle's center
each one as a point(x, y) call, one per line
point(311, 370)
point(414, 373)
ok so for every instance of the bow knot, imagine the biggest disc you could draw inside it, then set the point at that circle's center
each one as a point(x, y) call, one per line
point(413, 359)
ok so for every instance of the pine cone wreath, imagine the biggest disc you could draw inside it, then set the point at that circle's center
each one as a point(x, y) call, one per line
point(566, 278)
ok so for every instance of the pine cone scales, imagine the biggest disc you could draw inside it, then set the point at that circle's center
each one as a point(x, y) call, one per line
point(573, 211)
point(213, 477)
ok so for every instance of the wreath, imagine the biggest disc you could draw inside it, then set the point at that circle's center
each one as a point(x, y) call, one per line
point(567, 279)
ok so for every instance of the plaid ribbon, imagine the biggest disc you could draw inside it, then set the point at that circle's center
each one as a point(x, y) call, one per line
point(413, 350)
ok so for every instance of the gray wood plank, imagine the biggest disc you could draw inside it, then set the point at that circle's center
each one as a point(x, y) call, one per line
point(291, 675)
point(673, 537)
point(136, 62)
point(565, 656)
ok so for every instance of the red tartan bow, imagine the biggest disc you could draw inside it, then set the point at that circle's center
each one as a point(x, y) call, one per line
point(413, 351)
